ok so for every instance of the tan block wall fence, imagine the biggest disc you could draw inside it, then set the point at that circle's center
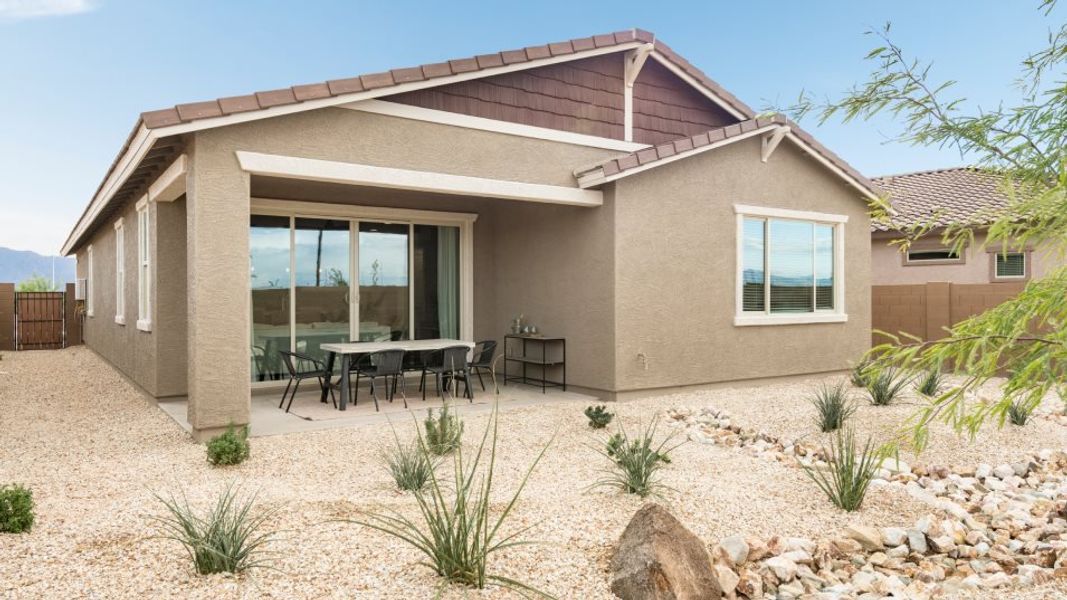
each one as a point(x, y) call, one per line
point(925, 310)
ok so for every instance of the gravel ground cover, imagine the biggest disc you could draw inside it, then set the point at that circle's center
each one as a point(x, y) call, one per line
point(94, 450)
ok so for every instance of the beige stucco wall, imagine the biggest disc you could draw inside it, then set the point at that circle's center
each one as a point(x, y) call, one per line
point(138, 354)
point(888, 267)
point(675, 262)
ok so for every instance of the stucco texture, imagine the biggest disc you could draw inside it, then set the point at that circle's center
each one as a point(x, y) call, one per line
point(675, 261)
point(888, 266)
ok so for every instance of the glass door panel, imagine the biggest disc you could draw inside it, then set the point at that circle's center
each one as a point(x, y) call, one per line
point(321, 287)
point(436, 280)
point(269, 271)
point(384, 286)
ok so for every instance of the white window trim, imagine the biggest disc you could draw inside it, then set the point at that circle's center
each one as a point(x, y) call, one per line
point(120, 272)
point(837, 315)
point(89, 280)
point(144, 267)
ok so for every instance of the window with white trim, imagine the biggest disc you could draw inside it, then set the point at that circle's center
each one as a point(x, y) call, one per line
point(790, 266)
point(1010, 265)
point(144, 270)
point(120, 273)
point(89, 280)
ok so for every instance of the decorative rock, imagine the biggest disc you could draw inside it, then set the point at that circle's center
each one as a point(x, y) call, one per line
point(750, 584)
point(917, 541)
point(1003, 471)
point(659, 559)
point(736, 549)
point(868, 537)
point(728, 580)
point(942, 544)
point(894, 536)
point(783, 568)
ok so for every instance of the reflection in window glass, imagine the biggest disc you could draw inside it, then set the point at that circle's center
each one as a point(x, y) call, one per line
point(269, 260)
point(383, 281)
point(321, 283)
point(824, 267)
point(791, 266)
point(752, 271)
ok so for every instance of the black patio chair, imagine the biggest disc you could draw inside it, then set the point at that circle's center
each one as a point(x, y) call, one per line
point(301, 367)
point(447, 365)
point(383, 364)
point(483, 359)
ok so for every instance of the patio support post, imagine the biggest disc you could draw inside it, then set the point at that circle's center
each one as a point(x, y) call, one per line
point(217, 209)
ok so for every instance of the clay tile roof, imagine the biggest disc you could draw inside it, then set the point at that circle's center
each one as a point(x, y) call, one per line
point(649, 156)
point(939, 197)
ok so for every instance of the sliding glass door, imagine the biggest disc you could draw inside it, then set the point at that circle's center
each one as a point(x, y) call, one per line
point(317, 280)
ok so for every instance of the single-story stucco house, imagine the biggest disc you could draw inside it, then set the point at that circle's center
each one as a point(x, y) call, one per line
point(603, 187)
point(930, 286)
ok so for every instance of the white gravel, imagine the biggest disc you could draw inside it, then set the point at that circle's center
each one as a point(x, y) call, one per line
point(94, 450)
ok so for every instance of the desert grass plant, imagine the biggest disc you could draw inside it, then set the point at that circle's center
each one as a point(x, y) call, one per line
point(849, 470)
point(444, 432)
point(858, 375)
point(1019, 412)
point(229, 448)
point(410, 464)
point(832, 405)
point(227, 538)
point(885, 386)
point(456, 528)
point(636, 461)
point(598, 416)
point(16, 509)
point(931, 382)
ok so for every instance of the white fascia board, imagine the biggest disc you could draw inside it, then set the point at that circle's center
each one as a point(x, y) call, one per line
point(700, 87)
point(136, 151)
point(596, 177)
point(417, 113)
point(170, 184)
point(294, 167)
point(138, 148)
point(390, 90)
point(867, 193)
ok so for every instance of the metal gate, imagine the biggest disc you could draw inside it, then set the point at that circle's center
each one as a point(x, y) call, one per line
point(40, 319)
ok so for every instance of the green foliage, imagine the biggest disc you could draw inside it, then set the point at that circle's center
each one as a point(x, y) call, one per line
point(229, 448)
point(35, 283)
point(832, 405)
point(636, 461)
point(456, 529)
point(931, 382)
point(884, 386)
point(1019, 412)
point(16, 509)
point(227, 538)
point(858, 374)
point(411, 465)
point(443, 432)
point(599, 417)
point(849, 471)
point(1022, 145)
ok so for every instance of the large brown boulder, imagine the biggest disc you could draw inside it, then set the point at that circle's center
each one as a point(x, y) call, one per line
point(659, 559)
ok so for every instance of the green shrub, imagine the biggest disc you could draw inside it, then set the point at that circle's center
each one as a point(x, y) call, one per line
point(599, 417)
point(885, 386)
point(849, 472)
point(16, 509)
point(225, 539)
point(1019, 412)
point(832, 405)
point(859, 373)
point(930, 383)
point(411, 465)
point(229, 448)
point(457, 529)
point(636, 461)
point(443, 432)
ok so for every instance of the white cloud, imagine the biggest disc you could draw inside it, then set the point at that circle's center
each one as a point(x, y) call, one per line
point(15, 10)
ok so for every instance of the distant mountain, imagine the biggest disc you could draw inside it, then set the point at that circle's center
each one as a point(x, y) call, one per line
point(17, 265)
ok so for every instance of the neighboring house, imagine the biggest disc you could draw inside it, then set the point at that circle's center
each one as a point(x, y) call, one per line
point(931, 286)
point(604, 187)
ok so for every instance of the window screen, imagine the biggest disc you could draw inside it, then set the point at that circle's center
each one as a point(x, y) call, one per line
point(1012, 264)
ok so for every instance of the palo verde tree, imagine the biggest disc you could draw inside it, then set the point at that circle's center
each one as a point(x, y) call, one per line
point(1022, 144)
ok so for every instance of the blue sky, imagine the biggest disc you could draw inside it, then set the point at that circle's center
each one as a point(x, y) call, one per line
point(76, 73)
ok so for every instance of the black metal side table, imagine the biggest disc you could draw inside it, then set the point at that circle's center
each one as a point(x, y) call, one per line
point(543, 353)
